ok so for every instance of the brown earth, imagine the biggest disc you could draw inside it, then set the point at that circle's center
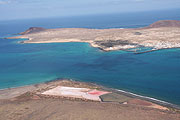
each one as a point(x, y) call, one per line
point(32, 30)
point(59, 109)
point(32, 105)
point(165, 23)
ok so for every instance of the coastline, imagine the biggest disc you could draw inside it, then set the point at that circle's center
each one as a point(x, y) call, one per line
point(151, 99)
point(26, 41)
point(11, 93)
point(163, 34)
point(110, 42)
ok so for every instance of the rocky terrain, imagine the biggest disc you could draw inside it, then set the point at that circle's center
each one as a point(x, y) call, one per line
point(165, 23)
point(159, 35)
point(32, 30)
point(27, 103)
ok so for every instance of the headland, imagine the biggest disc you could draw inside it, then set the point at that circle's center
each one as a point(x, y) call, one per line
point(60, 100)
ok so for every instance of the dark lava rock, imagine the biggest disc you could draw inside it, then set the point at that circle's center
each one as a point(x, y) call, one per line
point(111, 43)
point(32, 30)
point(138, 33)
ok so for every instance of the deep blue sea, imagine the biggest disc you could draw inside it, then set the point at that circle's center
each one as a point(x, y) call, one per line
point(154, 74)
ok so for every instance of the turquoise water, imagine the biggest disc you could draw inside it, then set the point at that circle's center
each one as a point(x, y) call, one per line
point(155, 74)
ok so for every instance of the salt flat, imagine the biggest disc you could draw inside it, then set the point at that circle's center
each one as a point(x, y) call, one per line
point(83, 93)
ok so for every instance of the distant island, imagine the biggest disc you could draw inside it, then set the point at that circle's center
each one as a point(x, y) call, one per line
point(159, 35)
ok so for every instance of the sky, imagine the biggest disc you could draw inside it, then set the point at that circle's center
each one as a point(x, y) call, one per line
point(22, 9)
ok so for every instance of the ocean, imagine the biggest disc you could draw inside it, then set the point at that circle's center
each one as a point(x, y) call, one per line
point(154, 74)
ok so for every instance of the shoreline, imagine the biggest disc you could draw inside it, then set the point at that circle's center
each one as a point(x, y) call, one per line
point(26, 41)
point(151, 99)
point(162, 34)
point(32, 87)
point(143, 97)
point(35, 104)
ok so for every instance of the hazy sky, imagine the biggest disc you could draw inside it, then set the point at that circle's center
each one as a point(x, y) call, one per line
point(20, 9)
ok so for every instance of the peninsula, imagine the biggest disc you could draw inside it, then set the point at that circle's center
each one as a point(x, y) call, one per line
point(66, 99)
point(159, 35)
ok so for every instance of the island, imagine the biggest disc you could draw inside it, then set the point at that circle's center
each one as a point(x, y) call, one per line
point(159, 35)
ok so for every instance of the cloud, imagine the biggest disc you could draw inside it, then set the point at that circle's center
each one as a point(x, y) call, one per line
point(2, 2)
point(139, 0)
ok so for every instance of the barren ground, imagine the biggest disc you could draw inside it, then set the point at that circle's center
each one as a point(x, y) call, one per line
point(160, 37)
point(29, 105)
